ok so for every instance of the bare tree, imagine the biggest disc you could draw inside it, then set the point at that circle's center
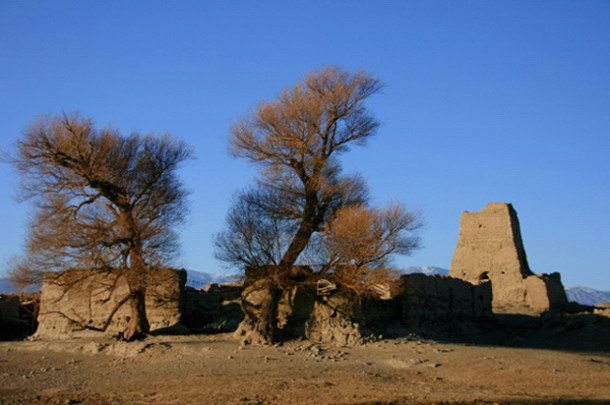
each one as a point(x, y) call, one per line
point(103, 202)
point(262, 222)
point(358, 244)
point(295, 140)
point(258, 226)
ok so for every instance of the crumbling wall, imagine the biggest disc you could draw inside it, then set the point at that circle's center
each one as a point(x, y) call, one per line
point(79, 303)
point(432, 299)
point(422, 301)
point(545, 291)
point(213, 310)
point(490, 247)
point(336, 319)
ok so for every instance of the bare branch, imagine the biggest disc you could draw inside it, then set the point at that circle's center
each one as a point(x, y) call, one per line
point(102, 200)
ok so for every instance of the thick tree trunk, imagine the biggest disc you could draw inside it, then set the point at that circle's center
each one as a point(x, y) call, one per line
point(265, 328)
point(262, 327)
point(137, 279)
point(260, 303)
point(138, 326)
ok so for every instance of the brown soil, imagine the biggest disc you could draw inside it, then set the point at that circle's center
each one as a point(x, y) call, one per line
point(215, 369)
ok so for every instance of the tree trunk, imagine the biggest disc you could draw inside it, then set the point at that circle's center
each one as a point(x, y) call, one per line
point(260, 303)
point(138, 326)
point(137, 279)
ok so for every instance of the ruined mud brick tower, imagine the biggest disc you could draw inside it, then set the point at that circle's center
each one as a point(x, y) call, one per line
point(490, 248)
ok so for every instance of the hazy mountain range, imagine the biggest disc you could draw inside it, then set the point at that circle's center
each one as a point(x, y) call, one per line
point(427, 270)
point(586, 296)
point(198, 279)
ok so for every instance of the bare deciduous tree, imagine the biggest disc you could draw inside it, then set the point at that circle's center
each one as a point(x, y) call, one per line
point(257, 226)
point(103, 201)
point(295, 140)
point(358, 243)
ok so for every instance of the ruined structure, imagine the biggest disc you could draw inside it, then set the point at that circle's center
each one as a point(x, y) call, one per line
point(414, 303)
point(490, 248)
point(84, 304)
point(79, 303)
point(430, 299)
point(215, 309)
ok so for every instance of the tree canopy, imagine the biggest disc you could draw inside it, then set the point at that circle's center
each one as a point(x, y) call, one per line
point(302, 208)
point(102, 201)
point(295, 140)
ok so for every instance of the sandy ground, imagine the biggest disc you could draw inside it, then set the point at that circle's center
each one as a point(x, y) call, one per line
point(215, 369)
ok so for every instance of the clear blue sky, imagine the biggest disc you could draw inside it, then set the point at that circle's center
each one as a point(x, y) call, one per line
point(505, 101)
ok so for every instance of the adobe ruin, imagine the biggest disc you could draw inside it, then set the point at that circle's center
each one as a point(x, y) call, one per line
point(416, 303)
point(490, 248)
point(489, 260)
point(85, 303)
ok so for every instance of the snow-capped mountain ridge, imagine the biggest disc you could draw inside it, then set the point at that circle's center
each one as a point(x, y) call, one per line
point(586, 295)
point(427, 270)
point(199, 279)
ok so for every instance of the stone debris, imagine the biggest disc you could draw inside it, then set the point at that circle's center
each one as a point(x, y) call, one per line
point(316, 352)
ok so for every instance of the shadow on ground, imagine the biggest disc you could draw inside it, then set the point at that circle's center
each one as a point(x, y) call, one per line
point(582, 332)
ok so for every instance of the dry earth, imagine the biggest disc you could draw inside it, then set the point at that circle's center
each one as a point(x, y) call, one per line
point(215, 369)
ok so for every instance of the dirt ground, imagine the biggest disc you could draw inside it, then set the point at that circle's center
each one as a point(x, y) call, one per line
point(216, 369)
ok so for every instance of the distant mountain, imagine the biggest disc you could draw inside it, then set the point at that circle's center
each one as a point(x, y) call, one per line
point(587, 296)
point(427, 270)
point(199, 279)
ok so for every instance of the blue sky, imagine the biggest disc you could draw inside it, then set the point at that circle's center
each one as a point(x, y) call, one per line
point(505, 101)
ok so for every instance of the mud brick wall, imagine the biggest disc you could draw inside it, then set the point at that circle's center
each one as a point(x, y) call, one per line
point(545, 291)
point(490, 247)
point(215, 309)
point(431, 298)
point(78, 303)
